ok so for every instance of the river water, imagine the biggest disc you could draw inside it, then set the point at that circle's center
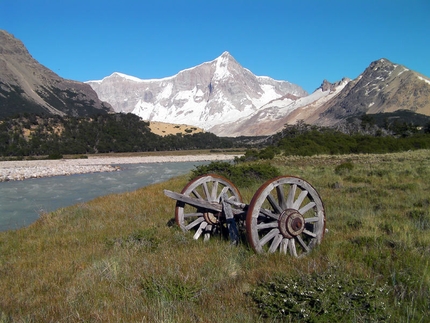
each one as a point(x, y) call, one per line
point(21, 202)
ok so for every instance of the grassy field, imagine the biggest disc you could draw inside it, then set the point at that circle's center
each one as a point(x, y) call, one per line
point(118, 258)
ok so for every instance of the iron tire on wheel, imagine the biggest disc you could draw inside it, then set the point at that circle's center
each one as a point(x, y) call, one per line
point(286, 214)
point(203, 222)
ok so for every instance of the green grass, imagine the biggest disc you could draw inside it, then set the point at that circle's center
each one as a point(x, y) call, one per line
point(118, 258)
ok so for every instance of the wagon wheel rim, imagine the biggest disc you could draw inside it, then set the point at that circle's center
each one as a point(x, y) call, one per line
point(285, 215)
point(202, 222)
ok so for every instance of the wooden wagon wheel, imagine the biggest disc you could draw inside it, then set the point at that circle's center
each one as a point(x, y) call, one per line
point(286, 214)
point(202, 221)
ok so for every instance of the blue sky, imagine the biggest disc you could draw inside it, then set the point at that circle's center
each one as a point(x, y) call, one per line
point(300, 41)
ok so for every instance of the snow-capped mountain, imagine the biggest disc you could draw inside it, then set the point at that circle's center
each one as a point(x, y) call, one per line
point(226, 99)
point(273, 116)
point(213, 93)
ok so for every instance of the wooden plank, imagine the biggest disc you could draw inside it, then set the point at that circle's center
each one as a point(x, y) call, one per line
point(210, 206)
point(216, 207)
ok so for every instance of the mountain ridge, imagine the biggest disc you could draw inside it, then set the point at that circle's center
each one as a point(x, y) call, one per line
point(219, 96)
point(28, 86)
point(206, 95)
point(383, 88)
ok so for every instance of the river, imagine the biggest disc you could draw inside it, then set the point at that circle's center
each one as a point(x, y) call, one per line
point(21, 202)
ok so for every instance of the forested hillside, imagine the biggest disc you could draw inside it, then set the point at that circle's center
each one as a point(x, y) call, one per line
point(32, 135)
point(370, 135)
point(54, 136)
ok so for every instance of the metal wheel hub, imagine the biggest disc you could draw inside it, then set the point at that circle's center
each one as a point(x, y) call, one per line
point(291, 223)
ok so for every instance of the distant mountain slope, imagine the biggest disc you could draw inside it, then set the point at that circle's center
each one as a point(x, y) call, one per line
point(273, 116)
point(383, 87)
point(209, 94)
point(27, 86)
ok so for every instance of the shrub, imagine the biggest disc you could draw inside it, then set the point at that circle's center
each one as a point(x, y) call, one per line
point(243, 175)
point(344, 168)
point(250, 155)
point(55, 156)
point(268, 153)
point(217, 167)
point(331, 296)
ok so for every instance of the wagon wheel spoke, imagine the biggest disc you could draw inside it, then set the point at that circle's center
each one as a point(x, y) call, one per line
point(200, 230)
point(207, 234)
point(281, 197)
point(292, 247)
point(197, 194)
point(204, 223)
point(302, 243)
point(266, 225)
point(223, 191)
point(291, 193)
point(194, 223)
point(307, 207)
point(283, 247)
point(300, 199)
point(309, 233)
point(312, 219)
point(214, 191)
point(276, 207)
point(269, 214)
point(287, 215)
point(206, 191)
point(269, 236)
point(189, 215)
point(275, 243)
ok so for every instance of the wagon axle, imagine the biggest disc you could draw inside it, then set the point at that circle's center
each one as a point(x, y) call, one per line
point(286, 213)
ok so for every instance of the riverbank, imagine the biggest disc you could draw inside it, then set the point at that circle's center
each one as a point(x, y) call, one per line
point(26, 169)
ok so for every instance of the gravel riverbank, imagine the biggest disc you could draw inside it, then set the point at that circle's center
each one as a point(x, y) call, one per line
point(20, 170)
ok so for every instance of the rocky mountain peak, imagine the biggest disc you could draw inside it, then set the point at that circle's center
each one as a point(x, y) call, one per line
point(9, 45)
point(380, 63)
point(225, 58)
point(28, 86)
point(327, 86)
point(224, 66)
point(382, 87)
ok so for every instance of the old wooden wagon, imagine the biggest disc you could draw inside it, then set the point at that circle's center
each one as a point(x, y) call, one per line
point(285, 215)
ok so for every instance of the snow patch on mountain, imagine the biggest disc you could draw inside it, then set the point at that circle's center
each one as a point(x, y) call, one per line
point(424, 79)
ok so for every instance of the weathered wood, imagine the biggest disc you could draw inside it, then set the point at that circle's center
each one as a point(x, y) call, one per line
point(286, 213)
point(199, 205)
point(210, 206)
point(231, 222)
point(295, 222)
